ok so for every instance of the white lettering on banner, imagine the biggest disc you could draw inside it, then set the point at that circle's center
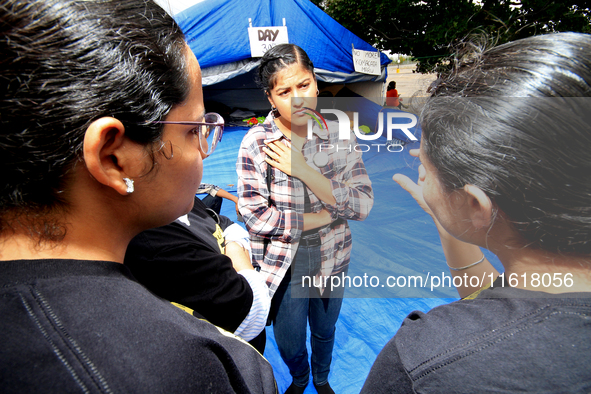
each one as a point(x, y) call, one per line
point(367, 62)
point(345, 125)
point(264, 38)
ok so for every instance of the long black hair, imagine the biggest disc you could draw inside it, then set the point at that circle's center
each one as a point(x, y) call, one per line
point(64, 64)
point(515, 120)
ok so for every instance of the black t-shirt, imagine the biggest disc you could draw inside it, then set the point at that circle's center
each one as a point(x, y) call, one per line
point(183, 263)
point(71, 326)
point(504, 340)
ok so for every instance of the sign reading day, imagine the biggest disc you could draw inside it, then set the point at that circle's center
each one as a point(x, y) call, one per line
point(367, 62)
point(264, 38)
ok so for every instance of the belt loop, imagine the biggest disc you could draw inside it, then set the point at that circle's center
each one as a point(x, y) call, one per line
point(311, 240)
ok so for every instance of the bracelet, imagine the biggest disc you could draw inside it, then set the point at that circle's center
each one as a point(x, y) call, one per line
point(468, 266)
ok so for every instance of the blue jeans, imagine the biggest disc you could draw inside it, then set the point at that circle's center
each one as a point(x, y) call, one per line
point(295, 308)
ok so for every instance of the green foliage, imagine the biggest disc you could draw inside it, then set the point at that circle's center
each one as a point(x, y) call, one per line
point(429, 30)
point(252, 121)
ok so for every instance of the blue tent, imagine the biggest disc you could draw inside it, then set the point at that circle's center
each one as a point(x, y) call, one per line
point(217, 32)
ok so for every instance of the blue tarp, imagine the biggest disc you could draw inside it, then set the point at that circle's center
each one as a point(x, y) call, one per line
point(216, 31)
point(398, 238)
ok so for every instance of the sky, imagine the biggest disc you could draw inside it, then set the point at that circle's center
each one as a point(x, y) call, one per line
point(175, 6)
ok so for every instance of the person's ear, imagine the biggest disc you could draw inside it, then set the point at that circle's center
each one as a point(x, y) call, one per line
point(270, 100)
point(481, 207)
point(107, 153)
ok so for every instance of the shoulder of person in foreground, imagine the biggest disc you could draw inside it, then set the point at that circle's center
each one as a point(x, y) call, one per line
point(499, 333)
point(81, 333)
point(183, 262)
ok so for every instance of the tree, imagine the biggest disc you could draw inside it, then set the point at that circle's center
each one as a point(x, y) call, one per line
point(429, 29)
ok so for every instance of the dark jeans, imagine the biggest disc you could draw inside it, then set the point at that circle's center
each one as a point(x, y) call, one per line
point(296, 306)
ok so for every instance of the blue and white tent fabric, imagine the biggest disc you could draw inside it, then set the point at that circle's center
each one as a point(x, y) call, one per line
point(217, 32)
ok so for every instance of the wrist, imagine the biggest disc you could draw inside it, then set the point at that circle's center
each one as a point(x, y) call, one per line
point(303, 172)
point(466, 266)
point(325, 217)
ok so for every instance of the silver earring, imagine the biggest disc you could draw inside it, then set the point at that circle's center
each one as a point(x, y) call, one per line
point(317, 92)
point(129, 183)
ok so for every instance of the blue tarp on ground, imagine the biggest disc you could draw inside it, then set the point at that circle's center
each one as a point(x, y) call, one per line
point(216, 31)
point(397, 238)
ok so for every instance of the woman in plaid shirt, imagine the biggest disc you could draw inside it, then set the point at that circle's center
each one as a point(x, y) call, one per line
point(296, 195)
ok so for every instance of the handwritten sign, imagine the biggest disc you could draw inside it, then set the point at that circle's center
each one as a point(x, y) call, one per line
point(367, 62)
point(264, 38)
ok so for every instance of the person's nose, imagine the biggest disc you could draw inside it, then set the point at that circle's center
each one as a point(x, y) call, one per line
point(297, 100)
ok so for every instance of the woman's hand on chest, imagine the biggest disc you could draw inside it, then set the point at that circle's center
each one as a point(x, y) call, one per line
point(288, 159)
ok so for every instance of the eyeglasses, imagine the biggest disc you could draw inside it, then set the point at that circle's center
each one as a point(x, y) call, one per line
point(210, 131)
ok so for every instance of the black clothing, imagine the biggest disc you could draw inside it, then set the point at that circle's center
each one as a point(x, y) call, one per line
point(184, 264)
point(504, 340)
point(87, 326)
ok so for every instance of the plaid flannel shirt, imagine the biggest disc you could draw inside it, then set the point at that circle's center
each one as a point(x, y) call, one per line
point(208, 188)
point(280, 224)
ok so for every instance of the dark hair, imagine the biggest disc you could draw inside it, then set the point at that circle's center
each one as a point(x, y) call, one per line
point(515, 120)
point(276, 59)
point(392, 85)
point(64, 64)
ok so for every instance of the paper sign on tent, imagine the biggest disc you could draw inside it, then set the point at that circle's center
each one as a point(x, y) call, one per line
point(367, 62)
point(264, 38)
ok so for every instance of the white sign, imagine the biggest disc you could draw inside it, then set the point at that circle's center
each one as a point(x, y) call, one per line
point(367, 62)
point(264, 38)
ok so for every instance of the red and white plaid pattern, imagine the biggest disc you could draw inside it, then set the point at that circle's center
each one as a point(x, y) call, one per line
point(281, 224)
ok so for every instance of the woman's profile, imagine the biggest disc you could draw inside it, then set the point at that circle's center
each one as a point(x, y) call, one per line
point(103, 136)
point(505, 166)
